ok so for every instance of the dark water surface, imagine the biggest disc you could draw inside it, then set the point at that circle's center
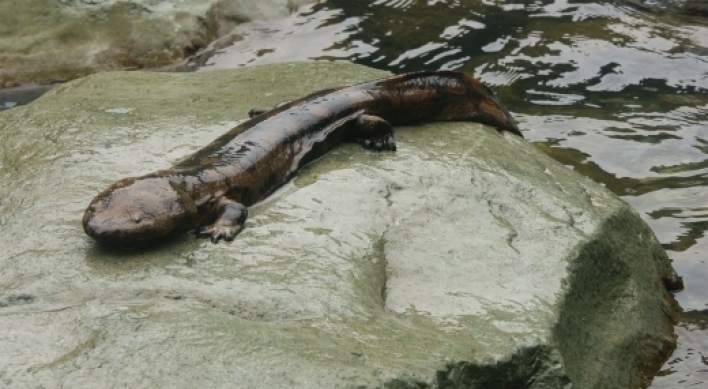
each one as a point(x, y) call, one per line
point(618, 93)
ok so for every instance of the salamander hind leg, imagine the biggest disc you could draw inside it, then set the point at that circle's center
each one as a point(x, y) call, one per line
point(374, 133)
point(229, 222)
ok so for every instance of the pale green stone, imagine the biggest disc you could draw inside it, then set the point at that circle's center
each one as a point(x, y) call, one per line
point(466, 259)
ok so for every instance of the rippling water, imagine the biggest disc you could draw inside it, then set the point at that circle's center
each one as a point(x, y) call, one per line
point(618, 93)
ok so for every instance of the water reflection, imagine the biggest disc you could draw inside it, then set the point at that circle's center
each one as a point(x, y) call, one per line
point(618, 93)
point(301, 37)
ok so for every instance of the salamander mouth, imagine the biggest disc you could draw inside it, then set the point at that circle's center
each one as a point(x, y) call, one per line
point(136, 211)
point(109, 232)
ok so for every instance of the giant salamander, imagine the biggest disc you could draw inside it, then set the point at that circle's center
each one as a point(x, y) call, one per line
point(210, 191)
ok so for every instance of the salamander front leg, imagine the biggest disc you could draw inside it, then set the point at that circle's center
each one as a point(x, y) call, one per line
point(375, 133)
point(257, 111)
point(229, 222)
point(260, 111)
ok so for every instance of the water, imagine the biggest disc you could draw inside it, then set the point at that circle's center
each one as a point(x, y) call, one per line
point(614, 91)
point(13, 97)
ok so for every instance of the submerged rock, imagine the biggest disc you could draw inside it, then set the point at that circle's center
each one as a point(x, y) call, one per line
point(52, 41)
point(466, 259)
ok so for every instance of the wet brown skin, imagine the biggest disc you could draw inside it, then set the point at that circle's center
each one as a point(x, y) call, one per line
point(210, 190)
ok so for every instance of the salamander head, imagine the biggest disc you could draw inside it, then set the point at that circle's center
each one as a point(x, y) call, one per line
point(139, 210)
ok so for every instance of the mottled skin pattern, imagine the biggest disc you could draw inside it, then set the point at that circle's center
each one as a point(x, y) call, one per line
point(209, 192)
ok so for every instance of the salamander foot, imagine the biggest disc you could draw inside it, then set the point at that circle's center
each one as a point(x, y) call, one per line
point(375, 133)
point(230, 221)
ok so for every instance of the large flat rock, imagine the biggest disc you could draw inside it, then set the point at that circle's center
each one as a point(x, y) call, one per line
point(466, 259)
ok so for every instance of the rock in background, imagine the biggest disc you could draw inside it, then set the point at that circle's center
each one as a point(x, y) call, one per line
point(699, 7)
point(687, 7)
point(45, 41)
point(466, 259)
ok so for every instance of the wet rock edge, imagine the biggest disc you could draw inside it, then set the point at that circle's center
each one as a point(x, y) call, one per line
point(596, 306)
